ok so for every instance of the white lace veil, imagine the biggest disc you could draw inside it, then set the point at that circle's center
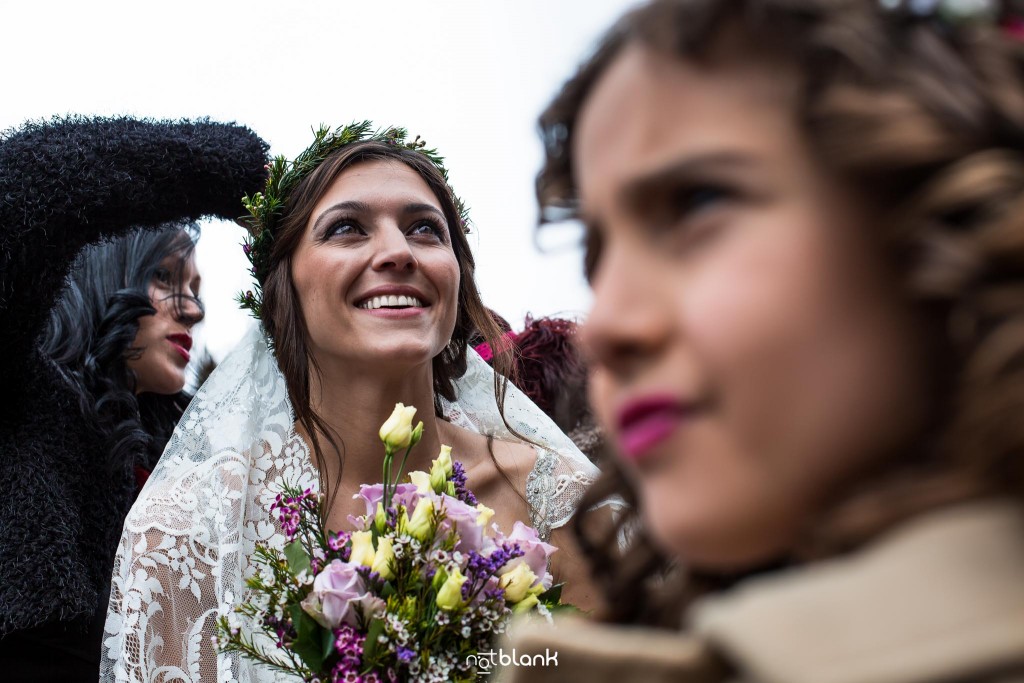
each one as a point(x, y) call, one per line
point(184, 552)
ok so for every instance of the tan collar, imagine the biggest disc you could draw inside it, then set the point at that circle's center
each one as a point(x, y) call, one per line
point(940, 597)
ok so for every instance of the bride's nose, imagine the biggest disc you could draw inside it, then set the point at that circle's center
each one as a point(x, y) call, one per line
point(393, 251)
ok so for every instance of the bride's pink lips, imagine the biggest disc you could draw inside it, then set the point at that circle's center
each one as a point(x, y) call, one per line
point(645, 422)
point(395, 313)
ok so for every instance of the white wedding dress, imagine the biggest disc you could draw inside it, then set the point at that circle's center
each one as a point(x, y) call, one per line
point(185, 550)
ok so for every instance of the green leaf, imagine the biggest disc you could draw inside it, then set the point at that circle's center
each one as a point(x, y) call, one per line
point(303, 623)
point(372, 633)
point(328, 642)
point(298, 560)
point(308, 639)
point(552, 595)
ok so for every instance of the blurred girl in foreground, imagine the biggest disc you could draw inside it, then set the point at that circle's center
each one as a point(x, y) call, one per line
point(805, 232)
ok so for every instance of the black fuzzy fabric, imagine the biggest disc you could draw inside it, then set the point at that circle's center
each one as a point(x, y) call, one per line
point(66, 183)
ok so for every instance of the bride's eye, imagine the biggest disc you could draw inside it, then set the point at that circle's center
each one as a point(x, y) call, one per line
point(426, 228)
point(343, 228)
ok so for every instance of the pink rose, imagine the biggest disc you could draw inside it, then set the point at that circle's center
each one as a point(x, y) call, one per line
point(462, 518)
point(338, 594)
point(535, 551)
point(371, 495)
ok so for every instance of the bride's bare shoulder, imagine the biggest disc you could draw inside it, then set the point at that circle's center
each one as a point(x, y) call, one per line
point(514, 457)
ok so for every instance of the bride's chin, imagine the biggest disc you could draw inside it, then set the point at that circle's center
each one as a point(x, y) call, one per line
point(397, 358)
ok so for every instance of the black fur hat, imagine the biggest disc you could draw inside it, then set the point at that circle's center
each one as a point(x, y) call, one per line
point(80, 179)
point(123, 170)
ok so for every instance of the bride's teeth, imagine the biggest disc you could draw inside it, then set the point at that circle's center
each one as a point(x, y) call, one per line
point(382, 301)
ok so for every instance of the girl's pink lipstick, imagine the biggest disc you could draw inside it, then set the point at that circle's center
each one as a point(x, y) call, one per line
point(647, 421)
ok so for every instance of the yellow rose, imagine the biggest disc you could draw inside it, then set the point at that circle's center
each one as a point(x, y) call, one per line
point(380, 520)
point(417, 434)
point(362, 548)
point(384, 558)
point(396, 432)
point(526, 604)
point(450, 595)
point(418, 526)
point(421, 480)
point(441, 469)
point(484, 515)
point(517, 582)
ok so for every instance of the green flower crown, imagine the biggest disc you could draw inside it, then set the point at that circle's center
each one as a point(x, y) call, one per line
point(265, 208)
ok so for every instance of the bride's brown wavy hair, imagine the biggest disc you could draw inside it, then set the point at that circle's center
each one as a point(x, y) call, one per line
point(924, 119)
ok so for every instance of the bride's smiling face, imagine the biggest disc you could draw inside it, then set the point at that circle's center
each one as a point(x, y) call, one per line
point(375, 272)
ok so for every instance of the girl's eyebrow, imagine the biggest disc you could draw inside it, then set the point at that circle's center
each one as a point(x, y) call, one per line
point(638, 190)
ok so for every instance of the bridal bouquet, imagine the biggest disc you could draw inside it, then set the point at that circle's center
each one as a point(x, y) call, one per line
point(413, 592)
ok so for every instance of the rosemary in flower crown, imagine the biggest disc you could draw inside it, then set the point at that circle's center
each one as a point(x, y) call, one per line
point(265, 208)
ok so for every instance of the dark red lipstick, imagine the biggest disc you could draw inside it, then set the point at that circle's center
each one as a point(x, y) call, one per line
point(182, 343)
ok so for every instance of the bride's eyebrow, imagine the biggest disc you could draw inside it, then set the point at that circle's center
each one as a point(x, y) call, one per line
point(417, 207)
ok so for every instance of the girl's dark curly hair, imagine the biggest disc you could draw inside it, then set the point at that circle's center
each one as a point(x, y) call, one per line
point(89, 339)
point(923, 118)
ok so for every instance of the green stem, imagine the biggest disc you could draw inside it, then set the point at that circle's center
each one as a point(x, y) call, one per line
point(388, 455)
point(402, 466)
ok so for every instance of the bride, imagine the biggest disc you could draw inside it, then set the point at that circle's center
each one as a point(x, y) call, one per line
point(366, 295)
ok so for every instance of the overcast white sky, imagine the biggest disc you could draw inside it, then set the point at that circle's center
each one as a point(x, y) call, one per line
point(469, 76)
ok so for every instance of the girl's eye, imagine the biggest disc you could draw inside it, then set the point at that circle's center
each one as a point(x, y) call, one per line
point(593, 245)
point(692, 200)
point(163, 276)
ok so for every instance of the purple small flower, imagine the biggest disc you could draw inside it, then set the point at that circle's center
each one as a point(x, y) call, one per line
point(462, 492)
point(406, 655)
point(349, 643)
point(481, 569)
point(337, 541)
point(371, 577)
point(494, 595)
point(289, 510)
